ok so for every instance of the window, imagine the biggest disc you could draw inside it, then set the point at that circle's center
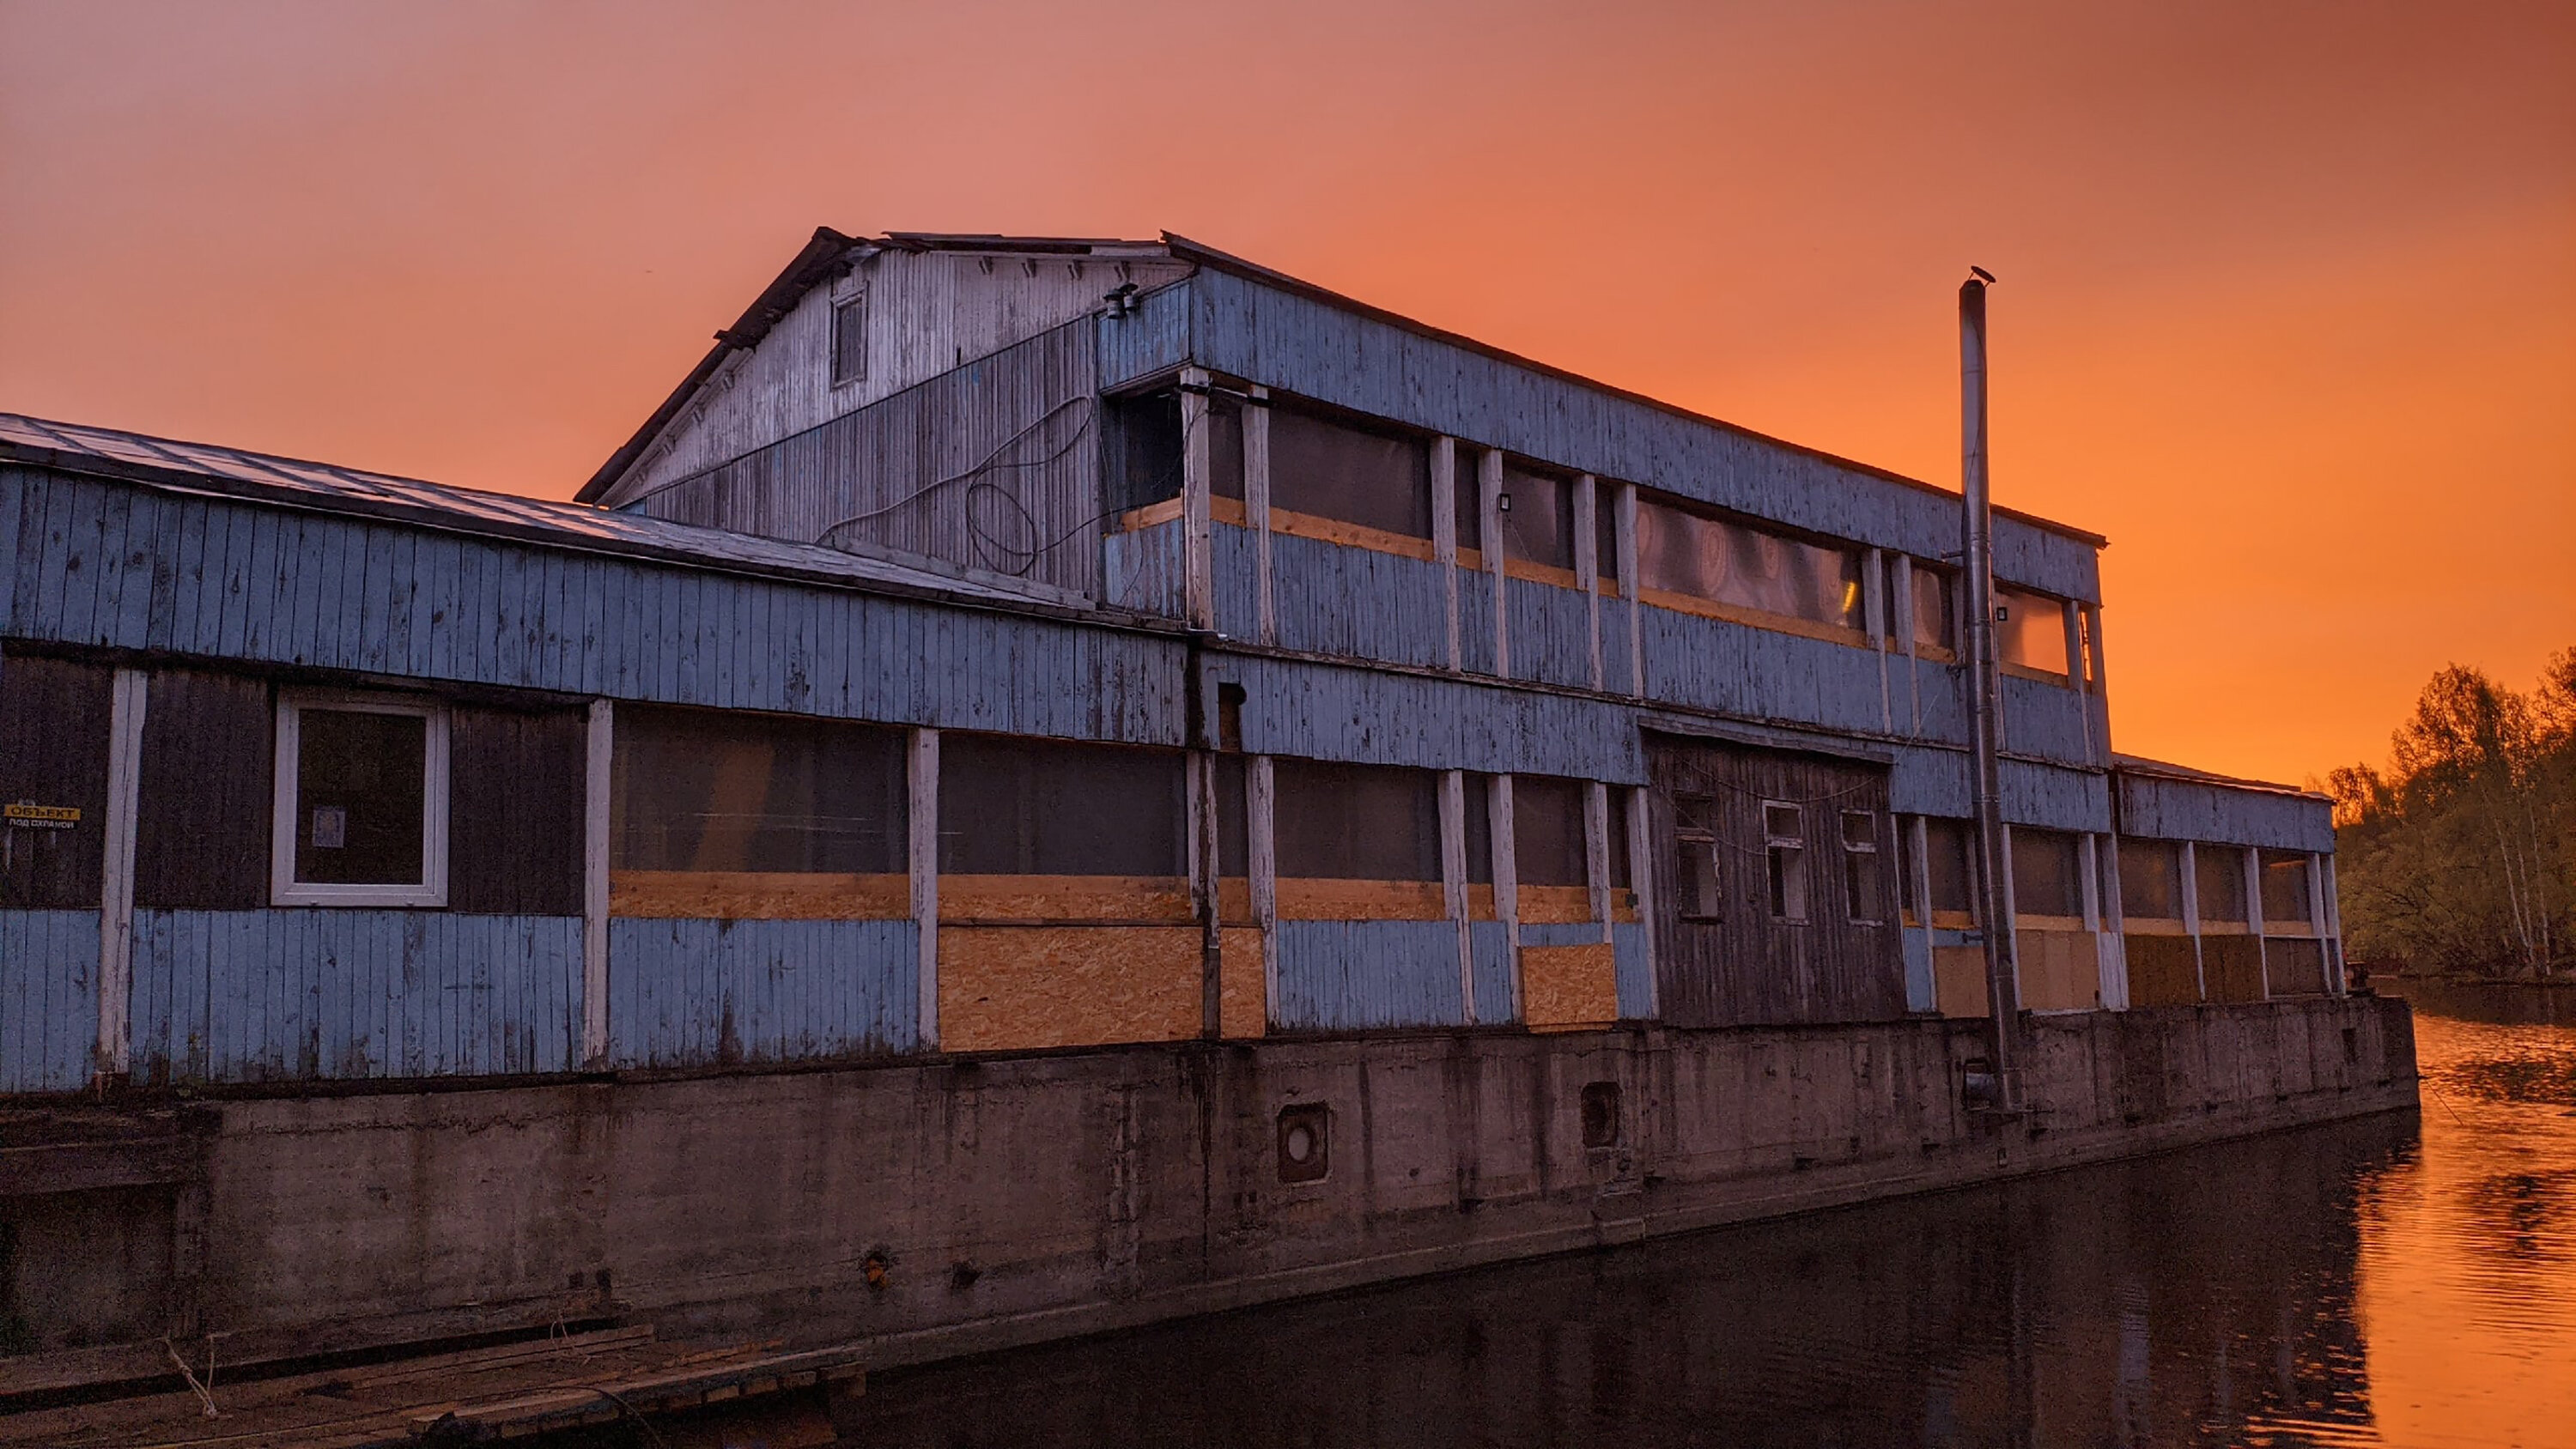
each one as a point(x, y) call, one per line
point(361, 808)
point(1547, 832)
point(1010, 806)
point(850, 338)
point(1936, 622)
point(2285, 888)
point(2150, 880)
point(1329, 469)
point(1784, 842)
point(704, 791)
point(1480, 828)
point(1467, 496)
point(1605, 530)
point(1700, 894)
point(1538, 517)
point(1684, 552)
point(2030, 630)
point(1357, 822)
point(1618, 838)
point(2218, 873)
point(2046, 878)
point(1952, 848)
point(1146, 448)
point(1864, 887)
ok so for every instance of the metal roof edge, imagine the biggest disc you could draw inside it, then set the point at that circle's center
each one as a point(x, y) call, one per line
point(2186, 774)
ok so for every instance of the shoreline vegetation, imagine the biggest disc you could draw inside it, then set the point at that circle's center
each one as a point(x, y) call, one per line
point(2459, 859)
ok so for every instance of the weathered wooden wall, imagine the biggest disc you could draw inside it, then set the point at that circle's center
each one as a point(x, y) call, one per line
point(2170, 809)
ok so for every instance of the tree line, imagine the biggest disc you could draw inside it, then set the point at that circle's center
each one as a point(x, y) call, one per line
point(2460, 857)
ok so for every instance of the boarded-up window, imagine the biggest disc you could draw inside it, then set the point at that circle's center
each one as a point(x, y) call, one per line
point(1681, 551)
point(850, 338)
point(2047, 879)
point(1045, 807)
point(2285, 888)
point(1951, 848)
point(2218, 874)
point(1357, 822)
point(1547, 831)
point(1332, 469)
point(2031, 630)
point(1538, 517)
point(1936, 621)
point(2150, 880)
point(700, 790)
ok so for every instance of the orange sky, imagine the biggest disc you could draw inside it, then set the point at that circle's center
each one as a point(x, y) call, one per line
point(2288, 305)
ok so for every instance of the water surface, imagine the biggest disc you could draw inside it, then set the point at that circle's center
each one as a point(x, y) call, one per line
point(2393, 1281)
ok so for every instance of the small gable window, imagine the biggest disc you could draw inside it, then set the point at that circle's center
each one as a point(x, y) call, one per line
point(850, 339)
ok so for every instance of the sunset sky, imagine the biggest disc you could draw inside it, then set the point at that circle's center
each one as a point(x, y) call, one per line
point(2288, 298)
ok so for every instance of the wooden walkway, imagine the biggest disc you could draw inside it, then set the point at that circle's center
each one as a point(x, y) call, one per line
point(511, 1392)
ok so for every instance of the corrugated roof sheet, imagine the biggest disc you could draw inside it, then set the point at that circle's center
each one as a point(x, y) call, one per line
point(294, 482)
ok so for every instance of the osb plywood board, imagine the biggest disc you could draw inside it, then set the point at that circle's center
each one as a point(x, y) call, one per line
point(1362, 900)
point(2059, 970)
point(758, 895)
point(1243, 992)
point(1480, 903)
point(1553, 905)
point(1234, 900)
point(1065, 898)
point(1568, 986)
point(1012, 988)
point(1959, 980)
point(2162, 971)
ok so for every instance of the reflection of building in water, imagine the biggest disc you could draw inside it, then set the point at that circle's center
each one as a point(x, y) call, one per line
point(1064, 781)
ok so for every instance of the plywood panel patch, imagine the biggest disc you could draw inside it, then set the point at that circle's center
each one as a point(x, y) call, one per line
point(1064, 898)
point(2059, 970)
point(759, 895)
point(1361, 900)
point(1565, 987)
point(1555, 905)
point(1959, 980)
point(1243, 997)
point(1016, 988)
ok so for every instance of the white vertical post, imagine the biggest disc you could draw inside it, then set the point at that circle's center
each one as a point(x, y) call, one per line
point(2073, 623)
point(2329, 919)
point(2250, 860)
point(1199, 776)
point(2115, 923)
point(2191, 915)
point(1198, 526)
point(1596, 851)
point(1444, 532)
point(922, 816)
point(599, 758)
point(1256, 508)
point(127, 698)
point(1507, 895)
point(2100, 703)
point(1453, 882)
point(1641, 881)
point(1630, 585)
point(1587, 565)
point(1873, 594)
point(1262, 856)
point(1489, 493)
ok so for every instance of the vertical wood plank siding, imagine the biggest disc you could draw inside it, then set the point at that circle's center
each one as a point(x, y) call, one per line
point(489, 612)
point(1144, 569)
point(1615, 667)
point(1358, 602)
point(49, 999)
point(1551, 633)
point(985, 466)
point(2046, 720)
point(1307, 346)
point(262, 996)
point(1327, 712)
point(1489, 944)
point(1634, 971)
point(53, 751)
point(202, 809)
point(1238, 579)
point(1359, 975)
point(1476, 621)
point(686, 993)
point(1759, 673)
point(2053, 798)
point(2168, 809)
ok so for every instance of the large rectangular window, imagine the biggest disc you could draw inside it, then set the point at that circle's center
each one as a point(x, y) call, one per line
point(361, 805)
point(1936, 620)
point(1952, 848)
point(2285, 888)
point(2218, 874)
point(1012, 806)
point(1683, 552)
point(710, 791)
point(1547, 831)
point(2047, 878)
point(1538, 517)
point(2030, 630)
point(1147, 447)
point(2150, 880)
point(1333, 469)
point(1357, 822)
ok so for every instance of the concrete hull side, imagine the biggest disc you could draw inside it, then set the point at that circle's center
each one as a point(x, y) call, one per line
point(961, 1205)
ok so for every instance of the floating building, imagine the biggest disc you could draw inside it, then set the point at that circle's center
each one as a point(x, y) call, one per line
point(1051, 784)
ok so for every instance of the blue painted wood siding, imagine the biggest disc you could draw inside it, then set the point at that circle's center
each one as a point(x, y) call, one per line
point(2168, 809)
point(1310, 347)
point(303, 995)
point(1634, 974)
point(1476, 621)
point(48, 1000)
point(1490, 948)
point(2047, 720)
point(1759, 673)
point(111, 564)
point(1331, 712)
point(686, 993)
point(1238, 582)
point(1363, 975)
point(1551, 633)
point(1358, 602)
point(1144, 569)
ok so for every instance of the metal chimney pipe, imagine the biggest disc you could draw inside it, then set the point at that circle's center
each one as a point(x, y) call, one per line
point(2003, 973)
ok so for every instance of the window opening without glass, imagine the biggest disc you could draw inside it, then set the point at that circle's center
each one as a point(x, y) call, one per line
point(2047, 879)
point(850, 338)
point(361, 805)
point(1698, 891)
point(1785, 848)
point(1864, 891)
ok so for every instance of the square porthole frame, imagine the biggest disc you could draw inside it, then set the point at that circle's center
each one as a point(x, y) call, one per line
point(284, 889)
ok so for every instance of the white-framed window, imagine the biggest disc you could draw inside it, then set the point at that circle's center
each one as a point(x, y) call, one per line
point(1784, 842)
point(361, 807)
